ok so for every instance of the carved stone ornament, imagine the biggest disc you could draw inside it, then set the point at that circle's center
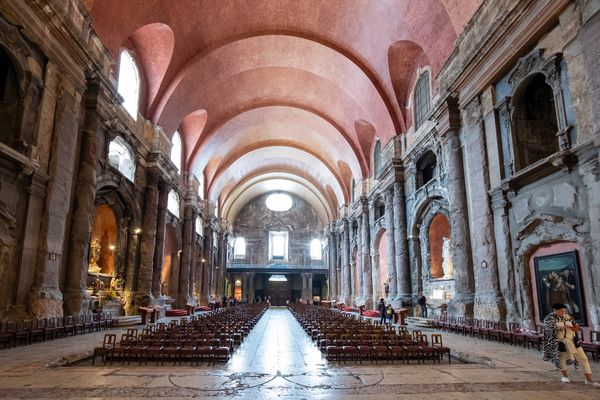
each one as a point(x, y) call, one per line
point(534, 62)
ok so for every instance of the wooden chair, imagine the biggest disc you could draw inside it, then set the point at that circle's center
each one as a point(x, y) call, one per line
point(109, 342)
point(593, 345)
point(8, 334)
point(436, 341)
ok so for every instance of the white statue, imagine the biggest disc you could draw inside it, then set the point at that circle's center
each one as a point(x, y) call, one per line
point(447, 259)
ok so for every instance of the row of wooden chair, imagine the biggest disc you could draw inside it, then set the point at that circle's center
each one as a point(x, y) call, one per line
point(210, 337)
point(344, 338)
point(14, 333)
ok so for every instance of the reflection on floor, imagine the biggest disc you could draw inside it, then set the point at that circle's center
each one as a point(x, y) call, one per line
point(278, 360)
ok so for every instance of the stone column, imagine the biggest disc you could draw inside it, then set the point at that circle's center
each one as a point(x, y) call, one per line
point(333, 278)
point(591, 180)
point(489, 303)
point(133, 244)
point(186, 257)
point(303, 293)
point(377, 293)
point(205, 280)
point(391, 250)
point(309, 288)
point(163, 192)
point(251, 295)
point(367, 286)
point(143, 295)
point(401, 246)
point(346, 267)
point(462, 303)
point(209, 264)
point(77, 301)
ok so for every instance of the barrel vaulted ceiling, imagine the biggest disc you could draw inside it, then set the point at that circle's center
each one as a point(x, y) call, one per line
point(281, 94)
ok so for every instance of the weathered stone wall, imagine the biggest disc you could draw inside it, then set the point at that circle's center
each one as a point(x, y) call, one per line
point(255, 220)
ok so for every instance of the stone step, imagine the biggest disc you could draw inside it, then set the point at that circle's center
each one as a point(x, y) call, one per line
point(417, 322)
point(128, 320)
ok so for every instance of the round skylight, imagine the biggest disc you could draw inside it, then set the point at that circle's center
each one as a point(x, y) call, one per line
point(278, 202)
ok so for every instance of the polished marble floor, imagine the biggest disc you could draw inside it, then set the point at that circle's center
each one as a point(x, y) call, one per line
point(279, 361)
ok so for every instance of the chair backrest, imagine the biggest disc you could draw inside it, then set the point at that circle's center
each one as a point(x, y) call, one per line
point(594, 336)
point(133, 332)
point(436, 339)
point(422, 339)
point(110, 340)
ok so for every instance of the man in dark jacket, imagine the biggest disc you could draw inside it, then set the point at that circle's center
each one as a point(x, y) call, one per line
point(381, 309)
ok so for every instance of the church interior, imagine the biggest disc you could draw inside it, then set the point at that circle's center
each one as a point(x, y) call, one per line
point(273, 167)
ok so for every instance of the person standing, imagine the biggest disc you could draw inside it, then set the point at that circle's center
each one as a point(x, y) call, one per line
point(561, 344)
point(389, 313)
point(423, 304)
point(381, 309)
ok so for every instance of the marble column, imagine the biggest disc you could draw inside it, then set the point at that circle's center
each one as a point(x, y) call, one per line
point(163, 191)
point(403, 274)
point(346, 265)
point(590, 172)
point(143, 294)
point(133, 244)
point(488, 302)
point(186, 257)
point(251, 295)
point(76, 299)
point(333, 278)
point(309, 288)
point(462, 303)
point(304, 292)
point(391, 250)
point(365, 256)
point(377, 286)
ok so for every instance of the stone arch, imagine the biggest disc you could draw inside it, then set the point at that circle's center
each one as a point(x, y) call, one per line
point(106, 233)
point(426, 168)
point(421, 230)
point(128, 217)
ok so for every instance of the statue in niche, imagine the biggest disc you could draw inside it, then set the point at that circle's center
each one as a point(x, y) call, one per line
point(93, 267)
point(447, 259)
point(97, 286)
point(164, 288)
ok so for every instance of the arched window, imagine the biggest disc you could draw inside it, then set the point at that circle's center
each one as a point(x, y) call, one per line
point(377, 157)
point(315, 249)
point(199, 226)
point(129, 83)
point(176, 150)
point(422, 101)
point(9, 100)
point(239, 247)
point(121, 157)
point(426, 168)
point(173, 203)
point(535, 122)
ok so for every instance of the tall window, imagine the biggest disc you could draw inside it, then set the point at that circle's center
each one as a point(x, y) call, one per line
point(377, 157)
point(129, 83)
point(315, 249)
point(198, 226)
point(176, 150)
point(353, 189)
point(239, 247)
point(278, 245)
point(422, 100)
point(173, 203)
point(121, 157)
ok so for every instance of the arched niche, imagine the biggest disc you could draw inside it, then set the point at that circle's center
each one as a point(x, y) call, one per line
point(534, 121)
point(105, 235)
point(433, 228)
point(20, 89)
point(439, 247)
point(382, 258)
point(169, 276)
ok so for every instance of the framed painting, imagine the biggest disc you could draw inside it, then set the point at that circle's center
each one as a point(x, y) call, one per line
point(558, 281)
